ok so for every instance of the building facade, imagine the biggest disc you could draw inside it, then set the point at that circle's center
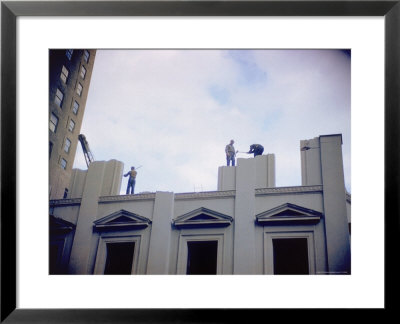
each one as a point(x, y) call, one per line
point(70, 72)
point(247, 226)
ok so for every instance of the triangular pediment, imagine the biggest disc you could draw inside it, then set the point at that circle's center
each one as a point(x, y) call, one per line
point(60, 225)
point(202, 217)
point(121, 219)
point(288, 214)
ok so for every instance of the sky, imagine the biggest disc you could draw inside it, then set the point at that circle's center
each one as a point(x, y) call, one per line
point(172, 112)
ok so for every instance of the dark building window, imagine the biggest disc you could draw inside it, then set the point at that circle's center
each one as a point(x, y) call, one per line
point(69, 52)
point(64, 74)
point(75, 108)
point(83, 72)
point(119, 258)
point(290, 256)
point(79, 89)
point(63, 164)
point(65, 193)
point(53, 122)
point(86, 55)
point(55, 256)
point(59, 97)
point(71, 125)
point(202, 258)
point(67, 145)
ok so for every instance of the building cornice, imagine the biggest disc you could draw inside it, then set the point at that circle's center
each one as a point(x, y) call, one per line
point(205, 195)
point(288, 190)
point(112, 199)
point(194, 195)
point(65, 202)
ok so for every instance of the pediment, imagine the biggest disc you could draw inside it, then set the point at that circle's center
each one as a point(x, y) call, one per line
point(202, 217)
point(287, 214)
point(60, 225)
point(122, 219)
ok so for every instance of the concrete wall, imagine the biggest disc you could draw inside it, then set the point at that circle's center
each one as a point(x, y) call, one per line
point(244, 245)
point(97, 174)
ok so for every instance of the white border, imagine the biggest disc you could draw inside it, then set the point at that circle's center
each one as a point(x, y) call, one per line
point(364, 35)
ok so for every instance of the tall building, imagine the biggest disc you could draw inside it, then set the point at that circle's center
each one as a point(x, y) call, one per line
point(247, 226)
point(70, 72)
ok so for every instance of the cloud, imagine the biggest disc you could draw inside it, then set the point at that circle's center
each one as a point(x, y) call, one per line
point(173, 111)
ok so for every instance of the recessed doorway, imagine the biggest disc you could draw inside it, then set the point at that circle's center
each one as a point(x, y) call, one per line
point(202, 257)
point(291, 256)
point(119, 258)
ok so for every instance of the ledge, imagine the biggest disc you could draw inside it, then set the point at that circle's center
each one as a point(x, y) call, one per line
point(65, 202)
point(288, 190)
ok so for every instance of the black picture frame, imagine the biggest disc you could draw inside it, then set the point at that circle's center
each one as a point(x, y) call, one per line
point(10, 10)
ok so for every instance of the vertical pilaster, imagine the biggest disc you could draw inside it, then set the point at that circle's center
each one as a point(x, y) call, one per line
point(336, 223)
point(159, 250)
point(226, 178)
point(244, 259)
point(100, 176)
point(310, 162)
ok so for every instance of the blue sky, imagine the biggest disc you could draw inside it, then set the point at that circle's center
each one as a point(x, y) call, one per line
point(173, 111)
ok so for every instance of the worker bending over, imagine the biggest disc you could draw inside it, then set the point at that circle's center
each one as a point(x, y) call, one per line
point(230, 153)
point(131, 181)
point(257, 149)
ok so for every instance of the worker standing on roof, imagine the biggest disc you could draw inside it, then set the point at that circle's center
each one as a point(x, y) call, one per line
point(257, 149)
point(230, 153)
point(131, 181)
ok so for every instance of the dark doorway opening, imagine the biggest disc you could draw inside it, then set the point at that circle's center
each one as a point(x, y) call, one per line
point(119, 258)
point(202, 258)
point(290, 256)
point(55, 257)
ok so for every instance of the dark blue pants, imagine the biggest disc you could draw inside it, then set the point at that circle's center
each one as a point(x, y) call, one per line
point(131, 185)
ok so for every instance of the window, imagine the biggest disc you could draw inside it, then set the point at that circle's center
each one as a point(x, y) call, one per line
point(63, 163)
point(289, 252)
point(202, 257)
point(53, 123)
point(64, 74)
point(71, 125)
point(290, 256)
point(50, 148)
point(69, 52)
point(79, 89)
point(59, 97)
point(119, 258)
point(83, 72)
point(75, 108)
point(55, 256)
point(118, 254)
point(202, 254)
point(67, 145)
point(86, 55)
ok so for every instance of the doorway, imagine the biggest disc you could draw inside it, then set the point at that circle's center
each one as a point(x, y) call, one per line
point(202, 257)
point(119, 258)
point(291, 256)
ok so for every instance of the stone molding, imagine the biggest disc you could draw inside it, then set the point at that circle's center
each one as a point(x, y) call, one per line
point(111, 199)
point(121, 219)
point(205, 195)
point(202, 217)
point(288, 214)
point(194, 195)
point(288, 190)
point(60, 225)
point(65, 202)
